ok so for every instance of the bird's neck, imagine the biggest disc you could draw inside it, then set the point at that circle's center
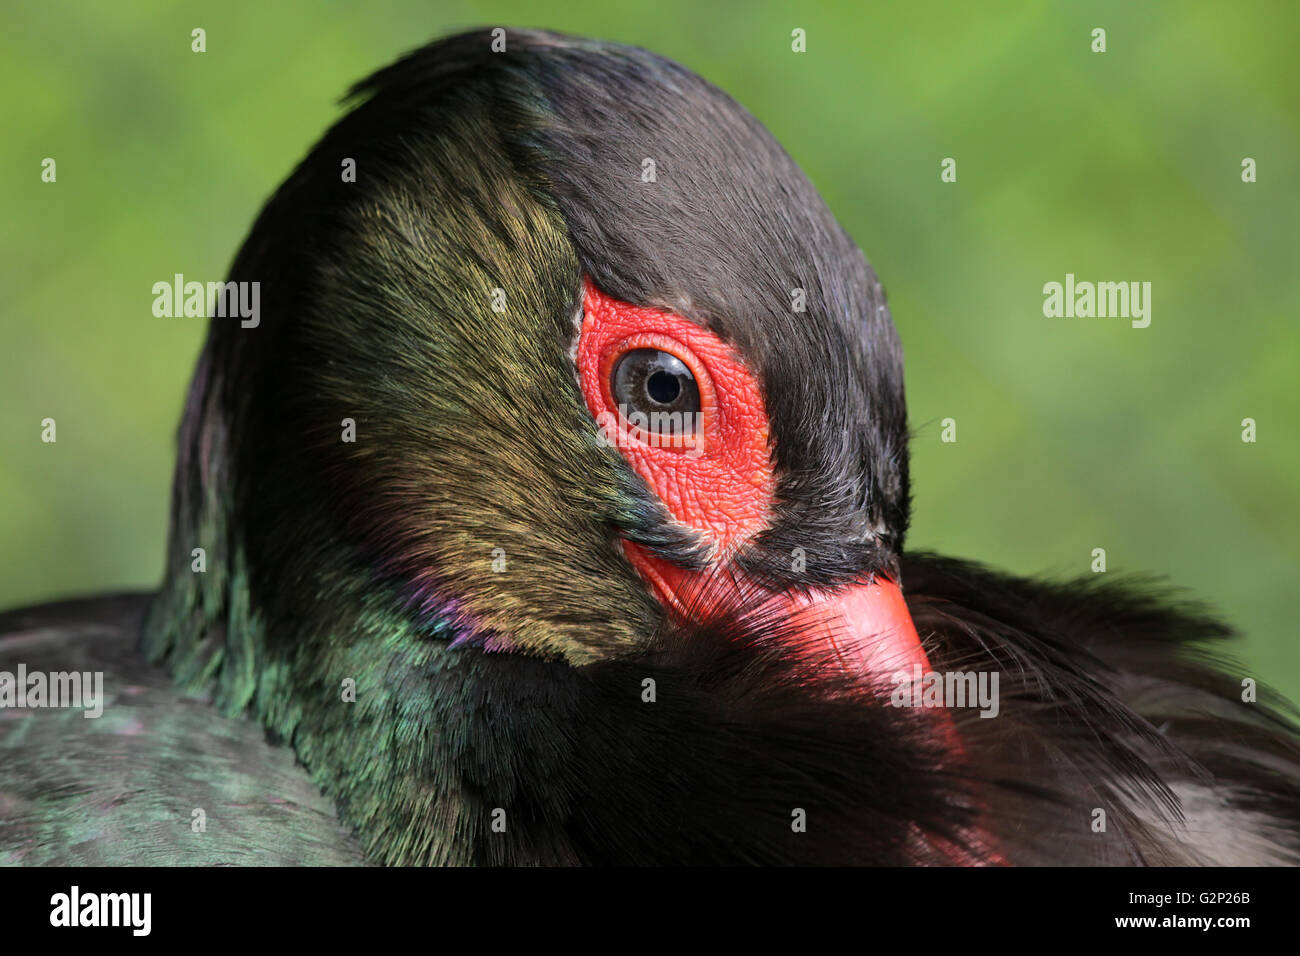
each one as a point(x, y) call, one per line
point(362, 692)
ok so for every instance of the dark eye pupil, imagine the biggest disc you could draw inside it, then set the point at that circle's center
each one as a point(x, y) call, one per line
point(663, 387)
point(656, 391)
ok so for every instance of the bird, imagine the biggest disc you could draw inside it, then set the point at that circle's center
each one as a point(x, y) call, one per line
point(554, 512)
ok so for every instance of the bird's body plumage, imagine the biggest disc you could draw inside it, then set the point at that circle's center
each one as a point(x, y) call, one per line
point(435, 641)
point(121, 789)
point(1108, 703)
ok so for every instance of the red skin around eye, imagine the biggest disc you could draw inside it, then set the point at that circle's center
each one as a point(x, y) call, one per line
point(720, 484)
point(723, 489)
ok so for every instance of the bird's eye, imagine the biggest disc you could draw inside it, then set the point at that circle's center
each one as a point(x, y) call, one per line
point(657, 392)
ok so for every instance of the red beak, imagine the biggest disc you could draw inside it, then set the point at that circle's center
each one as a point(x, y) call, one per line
point(865, 626)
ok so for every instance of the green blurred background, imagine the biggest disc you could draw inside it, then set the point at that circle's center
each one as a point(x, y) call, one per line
point(1072, 433)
